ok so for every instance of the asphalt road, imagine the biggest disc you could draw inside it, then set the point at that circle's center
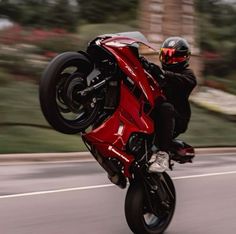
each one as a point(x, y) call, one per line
point(72, 198)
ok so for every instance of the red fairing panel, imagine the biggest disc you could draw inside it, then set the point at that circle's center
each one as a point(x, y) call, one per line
point(131, 66)
point(111, 137)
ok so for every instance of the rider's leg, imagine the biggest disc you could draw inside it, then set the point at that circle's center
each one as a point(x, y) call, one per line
point(181, 126)
point(164, 126)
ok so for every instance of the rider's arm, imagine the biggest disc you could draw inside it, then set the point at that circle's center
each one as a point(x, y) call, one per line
point(153, 69)
point(186, 78)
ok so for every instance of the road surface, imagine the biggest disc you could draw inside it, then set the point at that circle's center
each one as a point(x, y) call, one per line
point(77, 198)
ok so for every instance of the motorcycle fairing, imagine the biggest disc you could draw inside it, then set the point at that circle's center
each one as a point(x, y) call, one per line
point(111, 137)
point(131, 66)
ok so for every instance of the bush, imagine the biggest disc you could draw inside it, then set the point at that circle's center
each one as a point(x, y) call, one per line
point(59, 44)
point(226, 84)
point(5, 78)
point(18, 65)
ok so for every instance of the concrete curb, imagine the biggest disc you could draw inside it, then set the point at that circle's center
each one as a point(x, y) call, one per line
point(86, 156)
point(215, 150)
point(215, 101)
point(39, 157)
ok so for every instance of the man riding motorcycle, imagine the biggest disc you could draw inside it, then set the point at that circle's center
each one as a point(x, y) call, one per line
point(172, 115)
point(105, 94)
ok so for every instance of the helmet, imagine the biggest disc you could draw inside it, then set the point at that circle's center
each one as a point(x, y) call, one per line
point(174, 53)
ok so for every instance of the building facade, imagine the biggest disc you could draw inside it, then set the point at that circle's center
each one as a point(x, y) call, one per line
point(160, 19)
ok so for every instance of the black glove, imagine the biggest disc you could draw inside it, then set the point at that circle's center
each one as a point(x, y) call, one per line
point(145, 63)
point(158, 74)
point(154, 70)
point(157, 71)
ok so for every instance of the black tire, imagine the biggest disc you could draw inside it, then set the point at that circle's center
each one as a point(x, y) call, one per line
point(136, 209)
point(48, 93)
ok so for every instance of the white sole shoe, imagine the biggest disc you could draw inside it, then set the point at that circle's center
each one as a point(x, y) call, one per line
point(159, 162)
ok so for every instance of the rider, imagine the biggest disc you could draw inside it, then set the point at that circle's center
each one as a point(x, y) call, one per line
point(172, 115)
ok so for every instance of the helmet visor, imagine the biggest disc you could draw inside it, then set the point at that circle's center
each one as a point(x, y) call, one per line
point(171, 56)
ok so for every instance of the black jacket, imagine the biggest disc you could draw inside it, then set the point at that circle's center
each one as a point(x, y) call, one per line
point(178, 87)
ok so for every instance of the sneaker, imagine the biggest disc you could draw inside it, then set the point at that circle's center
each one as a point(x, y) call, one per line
point(159, 162)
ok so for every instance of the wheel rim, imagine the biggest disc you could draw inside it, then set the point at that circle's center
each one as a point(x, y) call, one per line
point(150, 219)
point(153, 221)
point(162, 213)
point(72, 108)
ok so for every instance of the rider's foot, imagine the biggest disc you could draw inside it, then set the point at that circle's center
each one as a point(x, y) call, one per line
point(159, 162)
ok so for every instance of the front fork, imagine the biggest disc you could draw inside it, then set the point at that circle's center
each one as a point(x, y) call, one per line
point(157, 193)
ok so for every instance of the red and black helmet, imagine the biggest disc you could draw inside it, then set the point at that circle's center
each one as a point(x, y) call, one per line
point(174, 53)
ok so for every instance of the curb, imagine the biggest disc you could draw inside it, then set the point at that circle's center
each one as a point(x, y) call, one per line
point(86, 156)
point(215, 101)
point(215, 150)
point(42, 157)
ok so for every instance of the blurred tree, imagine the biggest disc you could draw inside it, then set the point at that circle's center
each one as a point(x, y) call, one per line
point(217, 33)
point(33, 13)
point(94, 11)
point(43, 13)
point(10, 9)
point(62, 15)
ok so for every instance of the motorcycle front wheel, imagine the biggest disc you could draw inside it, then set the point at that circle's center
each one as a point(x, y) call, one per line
point(145, 218)
point(63, 79)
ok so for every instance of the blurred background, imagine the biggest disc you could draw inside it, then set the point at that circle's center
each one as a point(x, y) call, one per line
point(32, 32)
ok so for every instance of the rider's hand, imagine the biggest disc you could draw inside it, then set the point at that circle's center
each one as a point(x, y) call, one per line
point(158, 73)
point(145, 63)
point(155, 70)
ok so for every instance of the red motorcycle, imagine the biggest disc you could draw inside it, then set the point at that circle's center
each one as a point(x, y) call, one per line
point(106, 95)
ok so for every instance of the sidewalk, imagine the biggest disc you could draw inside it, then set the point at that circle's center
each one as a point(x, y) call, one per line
point(87, 157)
point(46, 157)
point(216, 101)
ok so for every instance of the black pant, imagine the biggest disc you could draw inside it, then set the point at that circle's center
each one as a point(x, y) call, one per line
point(168, 125)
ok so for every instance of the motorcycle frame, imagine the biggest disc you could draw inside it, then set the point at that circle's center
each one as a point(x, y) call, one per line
point(111, 137)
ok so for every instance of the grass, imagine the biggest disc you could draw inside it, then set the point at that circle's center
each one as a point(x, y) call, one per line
point(19, 103)
point(93, 30)
point(88, 32)
point(208, 129)
point(33, 140)
point(226, 83)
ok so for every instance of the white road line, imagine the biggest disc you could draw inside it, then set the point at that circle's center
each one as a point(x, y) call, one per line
point(57, 191)
point(108, 185)
point(204, 175)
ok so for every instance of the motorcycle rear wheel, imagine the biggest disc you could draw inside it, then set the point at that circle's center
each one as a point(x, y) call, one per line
point(62, 79)
point(139, 217)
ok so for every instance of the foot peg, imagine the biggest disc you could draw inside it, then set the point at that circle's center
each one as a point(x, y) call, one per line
point(182, 152)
